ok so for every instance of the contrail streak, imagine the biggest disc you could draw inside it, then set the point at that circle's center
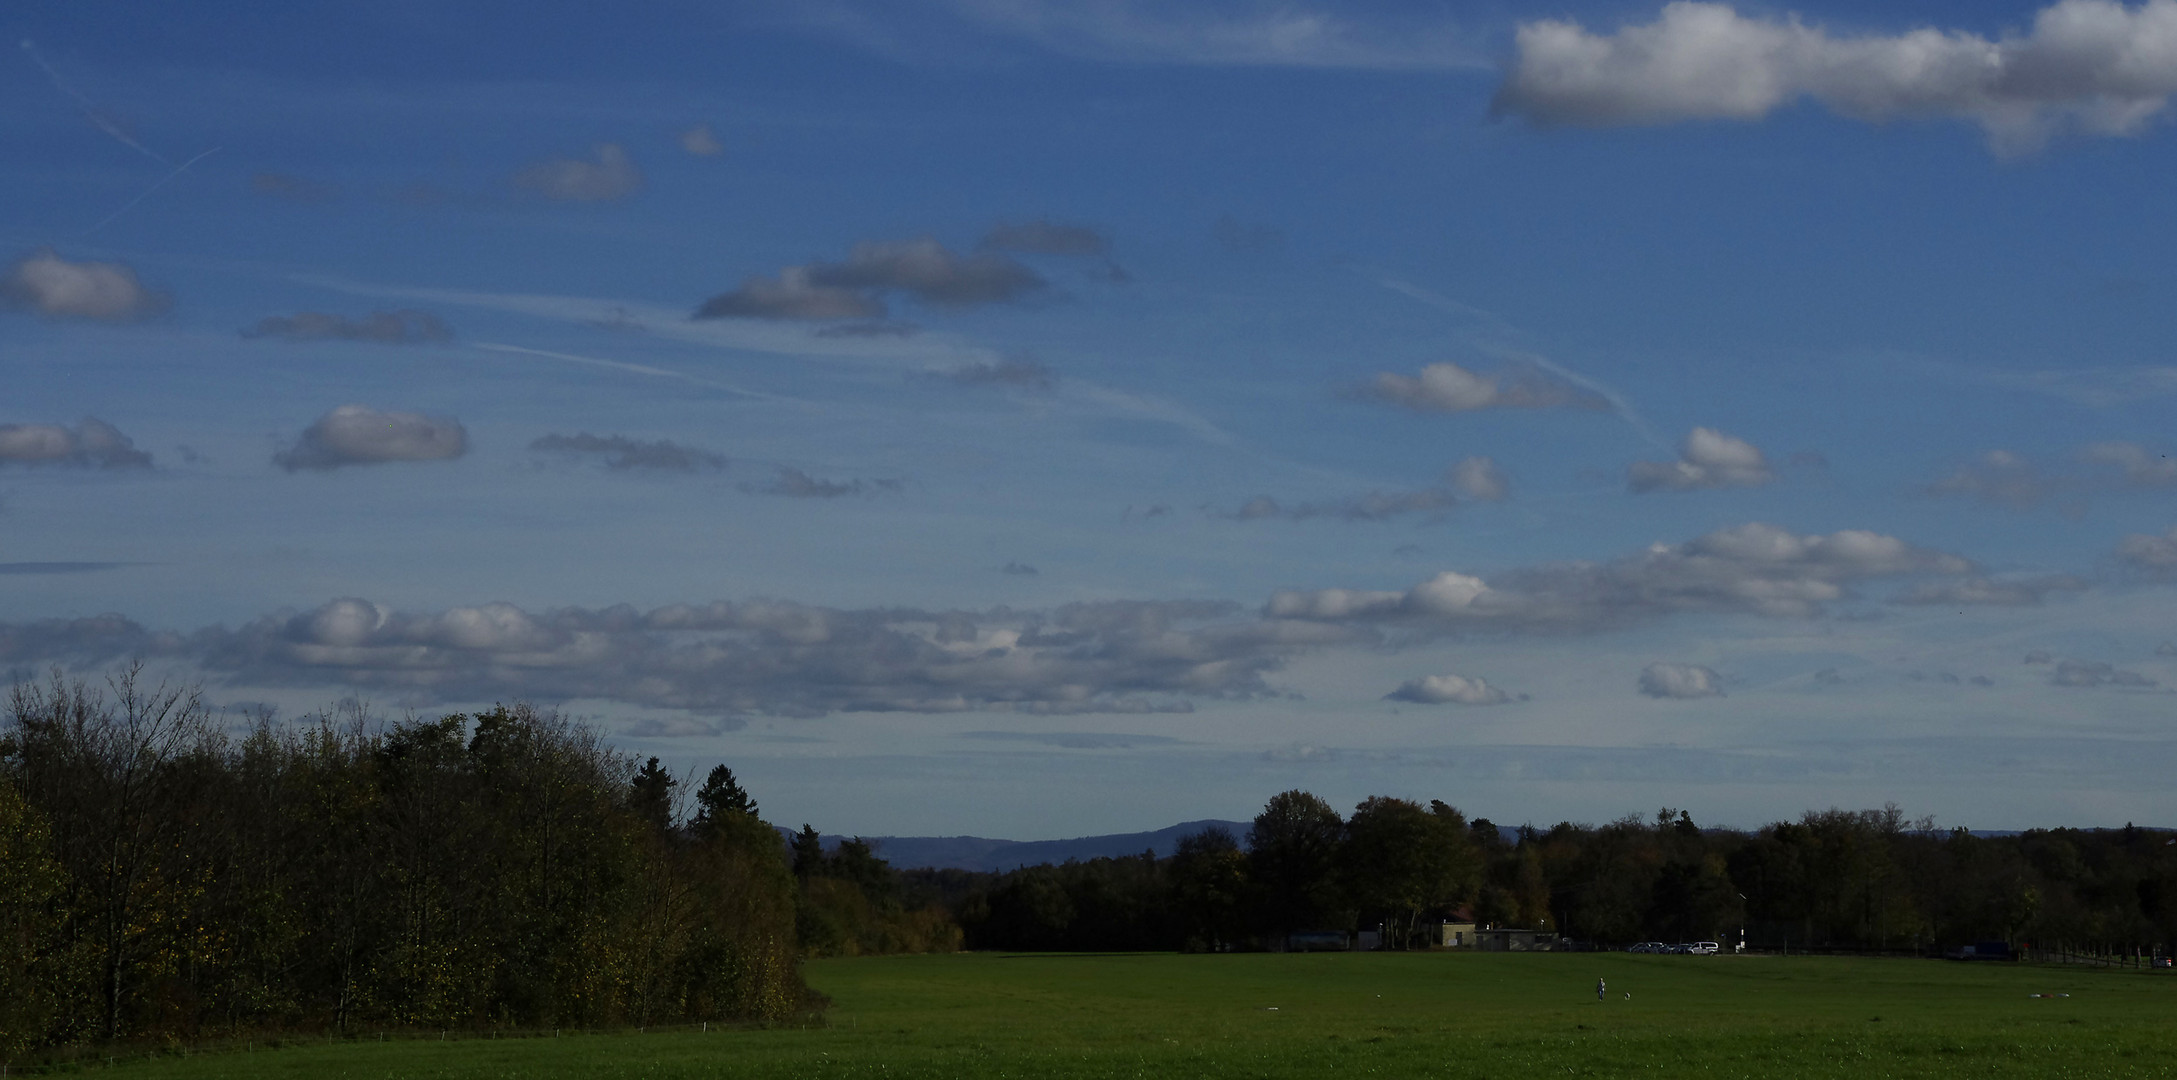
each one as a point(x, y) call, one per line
point(131, 204)
point(90, 111)
point(1619, 403)
point(621, 365)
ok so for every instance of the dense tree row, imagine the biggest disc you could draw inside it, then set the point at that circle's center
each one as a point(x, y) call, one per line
point(1833, 879)
point(161, 878)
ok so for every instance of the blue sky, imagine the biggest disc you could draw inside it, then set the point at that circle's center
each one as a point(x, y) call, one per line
point(1109, 414)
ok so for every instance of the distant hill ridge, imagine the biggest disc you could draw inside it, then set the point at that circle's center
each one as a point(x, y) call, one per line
point(983, 853)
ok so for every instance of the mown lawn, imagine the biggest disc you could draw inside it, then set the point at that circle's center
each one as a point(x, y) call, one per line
point(1421, 1015)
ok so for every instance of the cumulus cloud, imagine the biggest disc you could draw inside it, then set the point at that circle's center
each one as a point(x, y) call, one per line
point(403, 327)
point(2097, 66)
point(2153, 556)
point(775, 658)
point(1480, 479)
point(1680, 681)
point(360, 435)
point(853, 288)
point(1707, 459)
point(621, 453)
point(701, 141)
point(1448, 690)
point(92, 443)
point(1977, 591)
point(612, 176)
point(2086, 674)
point(1450, 388)
point(1043, 237)
point(1019, 373)
point(45, 283)
point(1755, 569)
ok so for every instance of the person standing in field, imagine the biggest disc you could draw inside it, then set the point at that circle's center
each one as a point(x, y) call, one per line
point(1600, 990)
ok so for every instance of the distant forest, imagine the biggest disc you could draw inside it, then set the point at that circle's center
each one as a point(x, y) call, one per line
point(165, 878)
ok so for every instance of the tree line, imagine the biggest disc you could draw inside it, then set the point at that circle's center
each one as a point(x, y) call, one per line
point(1834, 879)
point(163, 877)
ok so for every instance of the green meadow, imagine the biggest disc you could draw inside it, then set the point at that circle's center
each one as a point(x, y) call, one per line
point(1419, 1015)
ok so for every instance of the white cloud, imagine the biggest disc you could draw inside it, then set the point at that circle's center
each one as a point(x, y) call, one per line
point(1448, 387)
point(360, 435)
point(612, 176)
point(775, 658)
point(44, 282)
point(1448, 690)
point(2096, 65)
point(1707, 459)
point(1480, 479)
point(2154, 556)
point(1755, 569)
point(93, 443)
point(1680, 681)
point(701, 141)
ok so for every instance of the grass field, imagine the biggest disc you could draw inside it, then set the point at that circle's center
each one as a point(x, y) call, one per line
point(1327, 1015)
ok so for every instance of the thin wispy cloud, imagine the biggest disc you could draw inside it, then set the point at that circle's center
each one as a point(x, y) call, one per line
point(1449, 388)
point(622, 454)
point(1226, 33)
point(1045, 237)
point(855, 287)
point(611, 177)
point(795, 484)
point(2092, 66)
point(1979, 591)
point(701, 141)
point(403, 327)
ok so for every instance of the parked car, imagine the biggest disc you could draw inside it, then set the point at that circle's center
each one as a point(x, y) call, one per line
point(1646, 947)
point(1705, 948)
point(2163, 962)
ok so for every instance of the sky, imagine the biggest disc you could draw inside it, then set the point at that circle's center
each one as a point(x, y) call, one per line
point(1034, 419)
